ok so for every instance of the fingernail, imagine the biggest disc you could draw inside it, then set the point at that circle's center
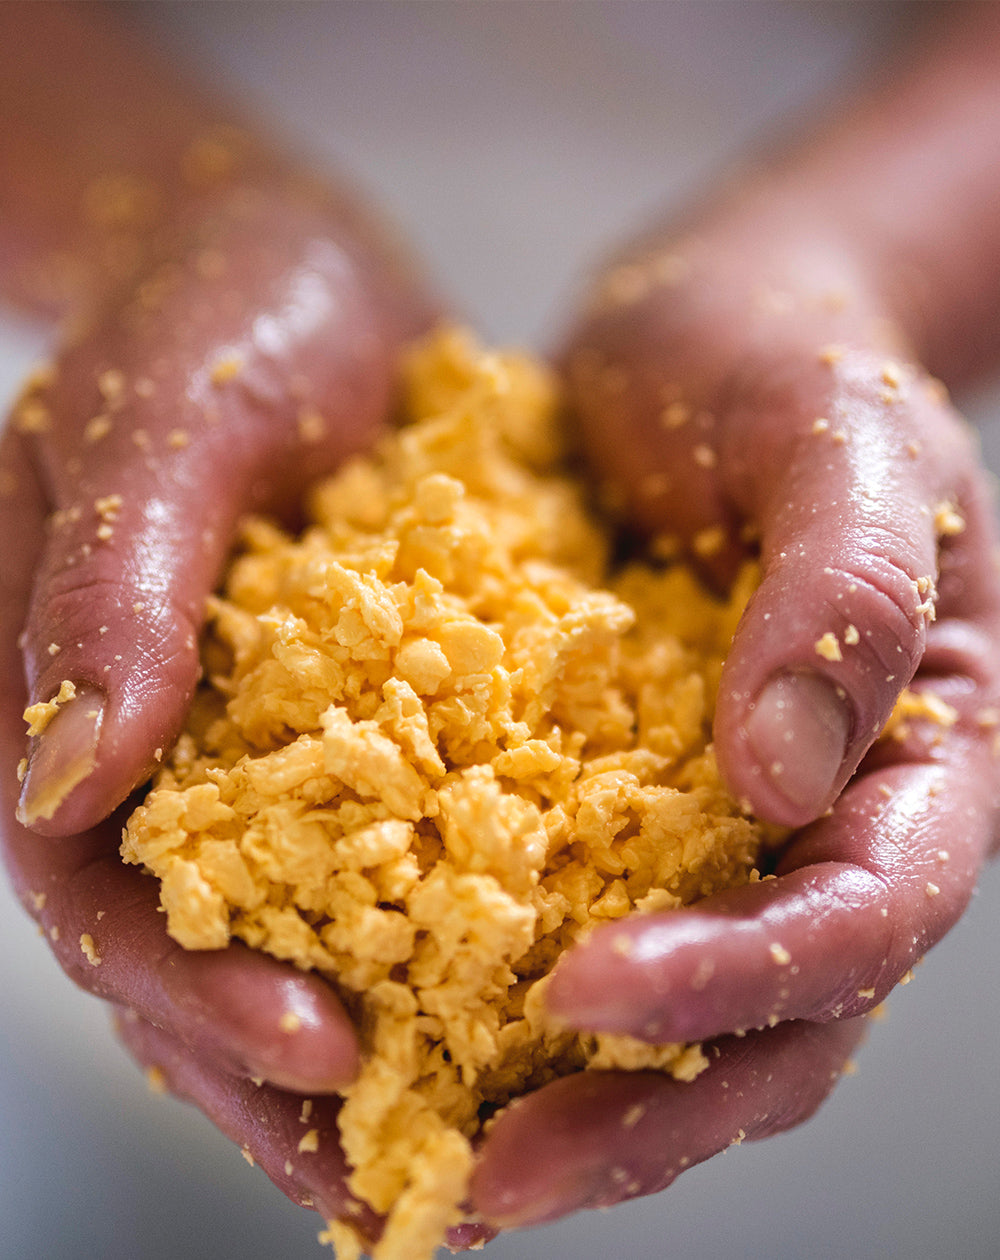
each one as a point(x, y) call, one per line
point(798, 731)
point(65, 754)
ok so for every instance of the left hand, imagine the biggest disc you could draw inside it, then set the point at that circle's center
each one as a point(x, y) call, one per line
point(733, 400)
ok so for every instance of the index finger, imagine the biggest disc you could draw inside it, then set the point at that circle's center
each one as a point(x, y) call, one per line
point(255, 1015)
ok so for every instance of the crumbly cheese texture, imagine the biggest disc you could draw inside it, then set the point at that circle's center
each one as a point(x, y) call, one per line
point(439, 740)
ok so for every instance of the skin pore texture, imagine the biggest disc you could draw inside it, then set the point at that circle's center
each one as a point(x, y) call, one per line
point(821, 292)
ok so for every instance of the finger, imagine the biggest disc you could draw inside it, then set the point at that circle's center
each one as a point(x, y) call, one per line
point(222, 387)
point(852, 507)
point(293, 1139)
point(598, 1138)
point(859, 898)
point(101, 918)
point(243, 1010)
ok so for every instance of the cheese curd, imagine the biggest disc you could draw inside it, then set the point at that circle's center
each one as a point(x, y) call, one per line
point(440, 739)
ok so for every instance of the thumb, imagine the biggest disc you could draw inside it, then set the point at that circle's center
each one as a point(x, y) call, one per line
point(157, 433)
point(864, 507)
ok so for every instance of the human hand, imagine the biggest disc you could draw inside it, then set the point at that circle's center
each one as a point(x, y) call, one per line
point(746, 383)
point(257, 351)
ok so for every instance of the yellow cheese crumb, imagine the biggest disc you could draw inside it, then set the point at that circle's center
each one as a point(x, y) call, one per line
point(948, 521)
point(310, 1142)
point(38, 716)
point(439, 738)
point(780, 955)
point(96, 428)
point(156, 1080)
point(111, 384)
point(290, 1022)
point(828, 647)
point(226, 369)
point(90, 949)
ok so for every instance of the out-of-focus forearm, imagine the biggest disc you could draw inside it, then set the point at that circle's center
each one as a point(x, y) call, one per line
point(909, 173)
point(102, 140)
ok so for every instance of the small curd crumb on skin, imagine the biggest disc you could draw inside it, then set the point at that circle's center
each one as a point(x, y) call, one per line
point(38, 900)
point(838, 437)
point(675, 414)
point(449, 736)
point(948, 521)
point(891, 374)
point(307, 1110)
point(111, 384)
point(108, 506)
point(31, 415)
point(290, 1022)
point(289, 1167)
point(831, 355)
point(820, 425)
point(828, 647)
point(709, 542)
point(867, 994)
point(244, 1151)
point(38, 716)
point(780, 955)
point(634, 1114)
point(54, 649)
point(89, 949)
point(851, 636)
point(622, 946)
point(178, 439)
point(226, 369)
point(22, 769)
point(309, 1143)
point(96, 428)
point(927, 591)
point(905, 979)
point(932, 890)
point(156, 1080)
point(704, 456)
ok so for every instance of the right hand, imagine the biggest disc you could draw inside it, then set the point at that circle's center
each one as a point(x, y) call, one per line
point(255, 355)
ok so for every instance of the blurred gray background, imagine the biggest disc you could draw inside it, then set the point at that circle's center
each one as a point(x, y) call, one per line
point(516, 142)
